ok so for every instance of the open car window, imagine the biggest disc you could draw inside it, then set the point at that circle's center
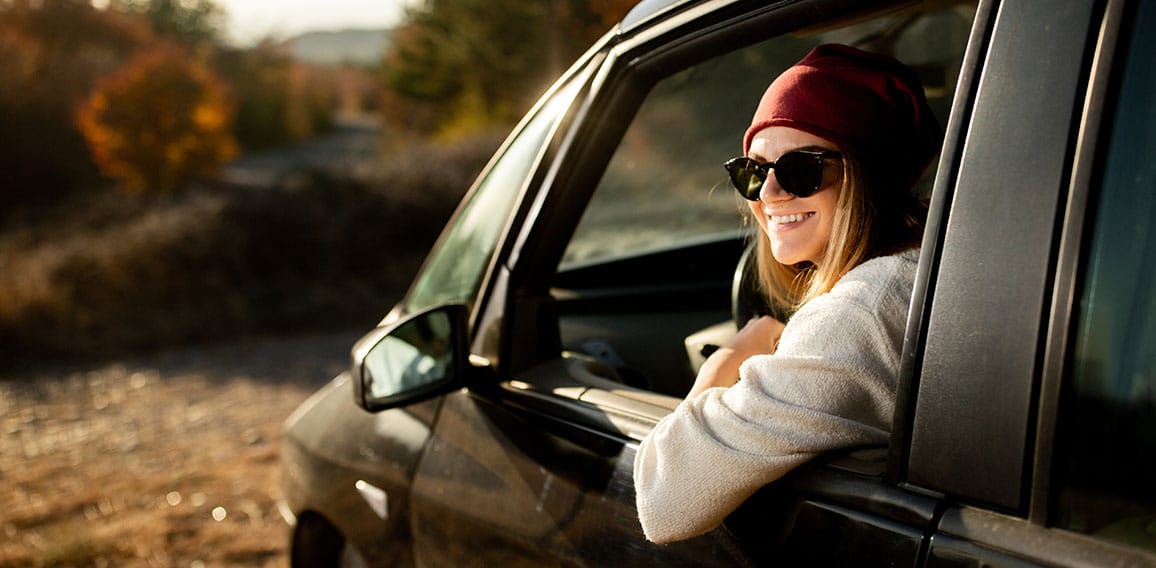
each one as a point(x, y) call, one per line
point(665, 184)
point(652, 260)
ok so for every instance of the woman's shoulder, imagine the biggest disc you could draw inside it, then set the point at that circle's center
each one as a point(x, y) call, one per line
point(900, 265)
point(867, 307)
point(881, 280)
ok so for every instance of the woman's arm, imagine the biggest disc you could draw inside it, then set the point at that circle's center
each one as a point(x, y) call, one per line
point(760, 336)
point(830, 385)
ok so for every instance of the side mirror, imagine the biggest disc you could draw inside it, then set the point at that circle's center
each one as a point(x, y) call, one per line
point(417, 357)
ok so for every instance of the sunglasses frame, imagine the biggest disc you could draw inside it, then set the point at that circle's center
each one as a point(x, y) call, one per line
point(749, 167)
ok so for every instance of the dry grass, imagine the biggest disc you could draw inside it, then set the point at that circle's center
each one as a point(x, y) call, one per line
point(166, 461)
point(116, 274)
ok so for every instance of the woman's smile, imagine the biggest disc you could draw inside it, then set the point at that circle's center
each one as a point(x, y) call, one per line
point(787, 221)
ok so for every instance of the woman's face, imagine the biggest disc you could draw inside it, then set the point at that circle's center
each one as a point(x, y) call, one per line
point(798, 227)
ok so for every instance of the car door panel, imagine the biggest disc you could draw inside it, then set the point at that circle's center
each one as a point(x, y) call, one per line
point(541, 470)
point(480, 501)
point(498, 485)
point(835, 512)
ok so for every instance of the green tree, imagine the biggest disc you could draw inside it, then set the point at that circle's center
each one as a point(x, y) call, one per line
point(159, 122)
point(278, 101)
point(192, 23)
point(458, 65)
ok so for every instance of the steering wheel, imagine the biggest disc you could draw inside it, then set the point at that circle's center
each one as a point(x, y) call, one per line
point(747, 302)
point(747, 298)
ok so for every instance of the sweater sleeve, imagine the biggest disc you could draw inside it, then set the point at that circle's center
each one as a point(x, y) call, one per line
point(830, 385)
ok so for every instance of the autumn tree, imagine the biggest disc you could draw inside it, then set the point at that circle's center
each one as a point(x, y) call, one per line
point(158, 123)
point(51, 53)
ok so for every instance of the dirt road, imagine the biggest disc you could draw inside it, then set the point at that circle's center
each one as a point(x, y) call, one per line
point(351, 148)
point(167, 460)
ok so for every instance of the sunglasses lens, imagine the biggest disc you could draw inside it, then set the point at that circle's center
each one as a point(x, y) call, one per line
point(747, 177)
point(799, 173)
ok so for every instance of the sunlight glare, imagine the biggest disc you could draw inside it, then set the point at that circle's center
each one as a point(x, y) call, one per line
point(250, 21)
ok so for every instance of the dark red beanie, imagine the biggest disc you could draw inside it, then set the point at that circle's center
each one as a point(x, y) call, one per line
point(870, 105)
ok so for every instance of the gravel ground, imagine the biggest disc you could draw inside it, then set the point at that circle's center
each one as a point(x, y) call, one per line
point(166, 460)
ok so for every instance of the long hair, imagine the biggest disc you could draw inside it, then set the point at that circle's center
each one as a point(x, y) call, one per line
point(870, 221)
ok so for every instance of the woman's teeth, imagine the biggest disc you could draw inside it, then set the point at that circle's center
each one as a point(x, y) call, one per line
point(784, 219)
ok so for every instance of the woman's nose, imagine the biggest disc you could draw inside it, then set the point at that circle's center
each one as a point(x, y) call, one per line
point(772, 191)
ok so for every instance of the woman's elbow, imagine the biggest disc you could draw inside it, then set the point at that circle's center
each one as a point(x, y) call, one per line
point(669, 512)
point(663, 524)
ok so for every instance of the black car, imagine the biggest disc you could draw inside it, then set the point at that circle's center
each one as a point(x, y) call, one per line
point(493, 417)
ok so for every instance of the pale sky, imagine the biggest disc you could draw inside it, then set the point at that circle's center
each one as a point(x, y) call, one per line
point(249, 21)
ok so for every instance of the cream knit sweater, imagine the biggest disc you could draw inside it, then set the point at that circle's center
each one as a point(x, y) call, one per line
point(830, 385)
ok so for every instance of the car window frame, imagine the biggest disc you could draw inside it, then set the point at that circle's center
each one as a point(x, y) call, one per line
point(577, 76)
point(961, 358)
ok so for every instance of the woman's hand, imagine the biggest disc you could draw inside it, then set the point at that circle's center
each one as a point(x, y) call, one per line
point(760, 336)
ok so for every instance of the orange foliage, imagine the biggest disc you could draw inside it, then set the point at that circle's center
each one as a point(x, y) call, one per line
point(51, 54)
point(159, 122)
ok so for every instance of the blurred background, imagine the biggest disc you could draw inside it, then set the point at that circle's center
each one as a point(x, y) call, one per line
point(202, 204)
point(166, 176)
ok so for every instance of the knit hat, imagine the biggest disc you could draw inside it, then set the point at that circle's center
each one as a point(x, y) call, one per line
point(870, 105)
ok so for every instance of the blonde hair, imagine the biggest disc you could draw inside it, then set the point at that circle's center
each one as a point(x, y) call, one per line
point(866, 225)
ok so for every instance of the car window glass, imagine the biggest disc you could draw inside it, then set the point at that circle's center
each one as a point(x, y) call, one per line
point(455, 268)
point(665, 183)
point(1108, 421)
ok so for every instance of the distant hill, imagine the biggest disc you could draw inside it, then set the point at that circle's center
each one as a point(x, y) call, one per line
point(335, 47)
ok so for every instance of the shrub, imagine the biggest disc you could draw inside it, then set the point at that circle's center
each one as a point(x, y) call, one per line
point(50, 57)
point(158, 123)
point(135, 272)
point(278, 101)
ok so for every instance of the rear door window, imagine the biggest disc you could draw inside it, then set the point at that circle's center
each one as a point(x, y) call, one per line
point(1108, 416)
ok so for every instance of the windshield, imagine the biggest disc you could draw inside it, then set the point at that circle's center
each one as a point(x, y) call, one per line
point(454, 270)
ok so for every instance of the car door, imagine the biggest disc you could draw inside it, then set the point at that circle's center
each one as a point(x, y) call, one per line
point(1033, 414)
point(580, 342)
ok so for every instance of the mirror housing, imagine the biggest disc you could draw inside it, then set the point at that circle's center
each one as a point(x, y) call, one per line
point(417, 357)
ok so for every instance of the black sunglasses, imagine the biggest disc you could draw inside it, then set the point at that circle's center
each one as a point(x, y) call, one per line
point(800, 173)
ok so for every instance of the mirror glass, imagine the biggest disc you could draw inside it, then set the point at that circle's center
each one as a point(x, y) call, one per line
point(419, 353)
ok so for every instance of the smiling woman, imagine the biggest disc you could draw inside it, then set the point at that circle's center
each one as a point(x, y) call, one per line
point(842, 250)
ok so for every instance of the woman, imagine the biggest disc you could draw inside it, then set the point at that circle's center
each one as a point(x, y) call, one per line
point(830, 161)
